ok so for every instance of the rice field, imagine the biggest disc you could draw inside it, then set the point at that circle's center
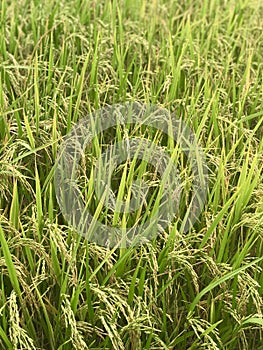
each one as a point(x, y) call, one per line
point(63, 62)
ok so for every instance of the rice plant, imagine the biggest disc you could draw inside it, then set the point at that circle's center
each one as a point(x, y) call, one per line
point(61, 62)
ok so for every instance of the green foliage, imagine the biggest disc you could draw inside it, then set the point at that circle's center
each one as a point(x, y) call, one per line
point(61, 60)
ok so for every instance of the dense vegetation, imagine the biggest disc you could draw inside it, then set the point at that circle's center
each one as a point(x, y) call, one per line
point(62, 60)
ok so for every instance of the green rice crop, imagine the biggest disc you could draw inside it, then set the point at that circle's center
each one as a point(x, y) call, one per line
point(59, 62)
